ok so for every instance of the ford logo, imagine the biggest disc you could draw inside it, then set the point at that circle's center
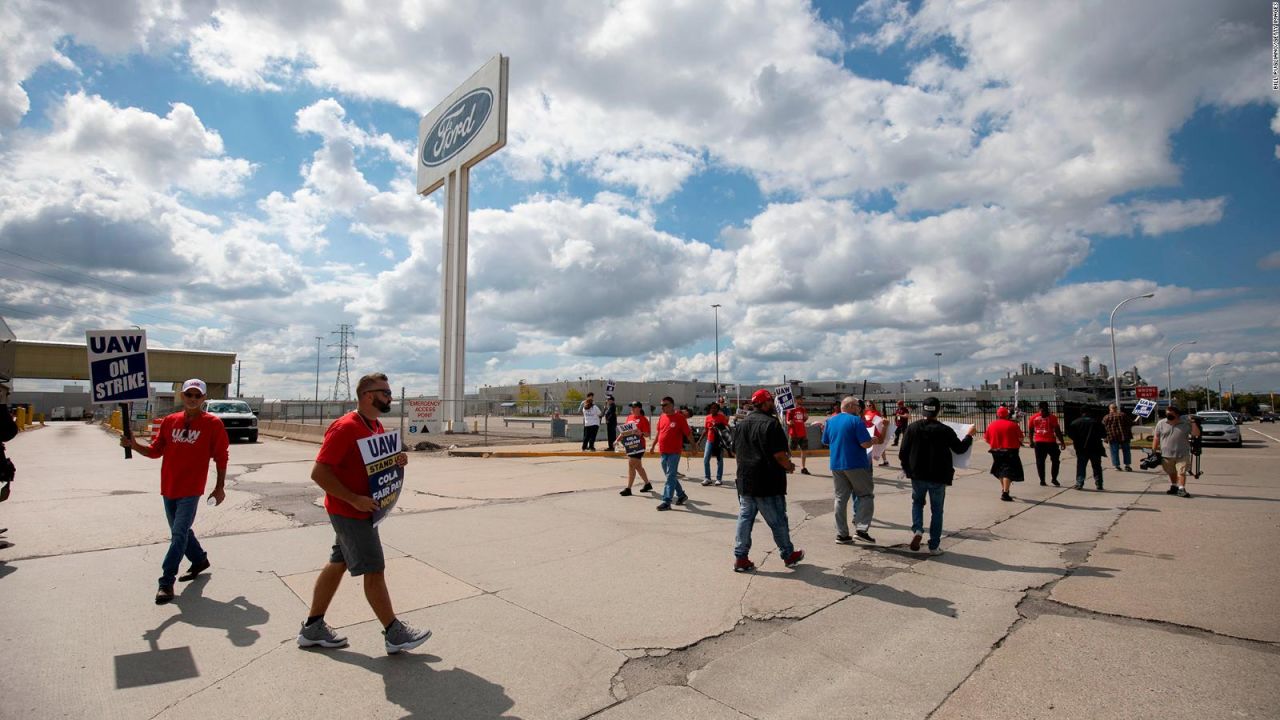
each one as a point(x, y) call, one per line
point(457, 127)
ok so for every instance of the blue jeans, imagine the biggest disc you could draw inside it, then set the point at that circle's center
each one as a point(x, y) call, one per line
point(713, 449)
point(774, 510)
point(1116, 447)
point(673, 489)
point(937, 493)
point(181, 513)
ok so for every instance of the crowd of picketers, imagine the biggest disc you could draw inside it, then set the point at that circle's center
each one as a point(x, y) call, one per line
point(855, 432)
point(858, 436)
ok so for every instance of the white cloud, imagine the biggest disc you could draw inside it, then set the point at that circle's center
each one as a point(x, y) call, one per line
point(1270, 261)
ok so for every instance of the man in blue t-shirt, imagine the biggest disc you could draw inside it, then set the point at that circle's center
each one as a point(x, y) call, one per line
point(846, 434)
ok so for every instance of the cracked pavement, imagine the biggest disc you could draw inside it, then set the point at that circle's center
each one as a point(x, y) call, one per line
point(552, 597)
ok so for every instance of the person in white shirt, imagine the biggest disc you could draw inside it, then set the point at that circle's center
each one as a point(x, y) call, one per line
point(591, 415)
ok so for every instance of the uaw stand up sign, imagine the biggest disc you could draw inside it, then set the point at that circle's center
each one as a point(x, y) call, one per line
point(469, 126)
point(118, 371)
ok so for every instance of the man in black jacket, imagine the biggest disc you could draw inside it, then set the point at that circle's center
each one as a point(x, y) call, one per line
point(8, 431)
point(763, 464)
point(926, 452)
point(611, 420)
point(1086, 435)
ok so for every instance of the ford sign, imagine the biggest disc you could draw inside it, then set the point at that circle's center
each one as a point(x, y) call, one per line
point(457, 127)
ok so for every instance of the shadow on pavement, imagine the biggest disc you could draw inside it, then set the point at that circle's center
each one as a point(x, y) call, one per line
point(818, 576)
point(6, 569)
point(426, 693)
point(695, 506)
point(237, 616)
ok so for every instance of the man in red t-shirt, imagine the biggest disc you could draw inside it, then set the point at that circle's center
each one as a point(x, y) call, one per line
point(798, 430)
point(187, 441)
point(673, 430)
point(1047, 438)
point(340, 471)
point(715, 422)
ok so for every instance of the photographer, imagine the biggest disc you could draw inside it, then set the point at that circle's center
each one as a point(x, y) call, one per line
point(1172, 440)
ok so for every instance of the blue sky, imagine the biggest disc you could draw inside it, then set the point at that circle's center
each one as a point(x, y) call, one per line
point(858, 185)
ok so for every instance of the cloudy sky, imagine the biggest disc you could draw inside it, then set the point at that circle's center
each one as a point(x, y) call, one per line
point(859, 186)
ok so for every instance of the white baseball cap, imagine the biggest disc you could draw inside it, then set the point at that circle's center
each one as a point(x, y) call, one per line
point(196, 383)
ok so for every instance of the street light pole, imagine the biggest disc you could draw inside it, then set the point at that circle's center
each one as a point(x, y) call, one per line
point(1168, 368)
point(1115, 367)
point(939, 356)
point(716, 308)
point(318, 339)
point(1208, 399)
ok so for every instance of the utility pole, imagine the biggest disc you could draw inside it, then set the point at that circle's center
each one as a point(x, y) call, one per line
point(342, 382)
point(318, 339)
point(716, 307)
point(238, 364)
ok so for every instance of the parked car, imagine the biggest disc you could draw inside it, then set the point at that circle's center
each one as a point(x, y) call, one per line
point(237, 417)
point(1268, 417)
point(1219, 427)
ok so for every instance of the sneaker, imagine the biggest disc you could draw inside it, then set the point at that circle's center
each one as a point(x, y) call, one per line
point(805, 471)
point(1079, 486)
point(1182, 492)
point(195, 569)
point(706, 482)
point(404, 637)
point(795, 557)
point(1043, 483)
point(915, 542)
point(935, 551)
point(1099, 486)
point(1116, 468)
point(1128, 469)
point(1056, 483)
point(864, 536)
point(682, 499)
point(320, 634)
point(626, 492)
point(844, 539)
point(743, 565)
point(164, 595)
point(1006, 497)
point(647, 488)
point(1173, 490)
point(664, 506)
point(719, 482)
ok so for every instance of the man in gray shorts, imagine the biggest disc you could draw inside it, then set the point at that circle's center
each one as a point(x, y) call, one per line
point(1173, 441)
point(340, 471)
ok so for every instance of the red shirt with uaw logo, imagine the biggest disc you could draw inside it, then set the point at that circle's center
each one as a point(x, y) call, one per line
point(187, 448)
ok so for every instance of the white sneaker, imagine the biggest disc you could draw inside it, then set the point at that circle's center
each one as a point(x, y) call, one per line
point(719, 482)
point(935, 551)
point(707, 481)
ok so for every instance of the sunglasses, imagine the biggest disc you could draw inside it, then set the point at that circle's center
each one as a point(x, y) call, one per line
point(385, 393)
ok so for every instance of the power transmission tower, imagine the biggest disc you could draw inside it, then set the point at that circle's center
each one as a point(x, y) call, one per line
point(344, 345)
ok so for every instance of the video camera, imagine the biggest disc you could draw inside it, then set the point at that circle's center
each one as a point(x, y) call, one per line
point(1151, 461)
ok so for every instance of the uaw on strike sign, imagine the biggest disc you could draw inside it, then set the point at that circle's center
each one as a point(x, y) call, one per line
point(386, 478)
point(117, 365)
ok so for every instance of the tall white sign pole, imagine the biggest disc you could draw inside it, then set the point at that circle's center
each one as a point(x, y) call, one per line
point(470, 125)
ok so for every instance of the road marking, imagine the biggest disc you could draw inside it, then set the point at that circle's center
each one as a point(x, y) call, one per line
point(1264, 434)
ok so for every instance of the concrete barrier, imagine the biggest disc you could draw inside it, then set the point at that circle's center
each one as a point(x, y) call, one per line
point(292, 431)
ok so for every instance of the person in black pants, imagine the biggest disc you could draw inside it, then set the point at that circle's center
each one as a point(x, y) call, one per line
point(1086, 435)
point(591, 415)
point(1047, 439)
point(611, 420)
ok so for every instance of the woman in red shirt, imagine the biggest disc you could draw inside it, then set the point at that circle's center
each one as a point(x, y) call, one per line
point(1005, 437)
point(633, 443)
